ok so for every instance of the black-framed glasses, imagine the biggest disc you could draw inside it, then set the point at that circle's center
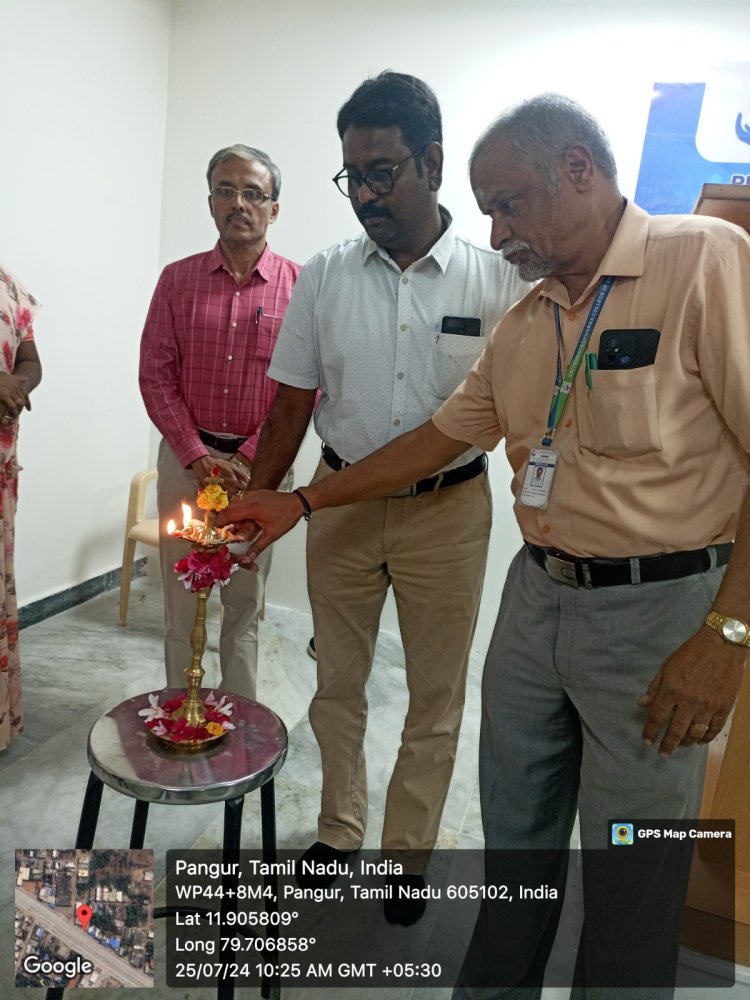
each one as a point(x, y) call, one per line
point(253, 196)
point(379, 181)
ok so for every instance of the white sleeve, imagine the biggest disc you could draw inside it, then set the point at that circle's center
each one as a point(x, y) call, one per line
point(295, 358)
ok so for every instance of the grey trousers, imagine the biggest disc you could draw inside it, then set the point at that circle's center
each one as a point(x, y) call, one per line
point(561, 730)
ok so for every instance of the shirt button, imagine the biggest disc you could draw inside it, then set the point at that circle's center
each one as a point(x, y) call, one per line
point(224, 424)
point(404, 280)
point(229, 357)
point(568, 423)
point(572, 314)
point(226, 391)
point(237, 294)
point(400, 374)
point(234, 324)
point(396, 423)
point(546, 529)
point(403, 327)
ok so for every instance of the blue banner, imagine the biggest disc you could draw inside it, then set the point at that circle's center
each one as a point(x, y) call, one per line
point(697, 133)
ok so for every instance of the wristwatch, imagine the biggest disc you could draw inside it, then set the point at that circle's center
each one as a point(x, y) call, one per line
point(732, 630)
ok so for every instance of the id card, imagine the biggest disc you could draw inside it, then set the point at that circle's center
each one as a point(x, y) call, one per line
point(540, 475)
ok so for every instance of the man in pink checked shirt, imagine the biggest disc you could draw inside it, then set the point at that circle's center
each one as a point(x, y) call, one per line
point(206, 345)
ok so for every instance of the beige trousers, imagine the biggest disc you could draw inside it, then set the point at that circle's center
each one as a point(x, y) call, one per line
point(432, 550)
point(241, 598)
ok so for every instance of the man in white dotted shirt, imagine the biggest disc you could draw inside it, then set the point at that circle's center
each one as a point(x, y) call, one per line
point(386, 326)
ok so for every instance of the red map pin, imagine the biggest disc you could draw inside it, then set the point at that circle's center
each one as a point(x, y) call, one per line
point(84, 914)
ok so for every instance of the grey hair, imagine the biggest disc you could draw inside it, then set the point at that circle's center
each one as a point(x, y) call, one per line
point(240, 152)
point(543, 129)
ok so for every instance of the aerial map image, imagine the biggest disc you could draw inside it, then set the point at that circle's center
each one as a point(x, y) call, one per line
point(84, 918)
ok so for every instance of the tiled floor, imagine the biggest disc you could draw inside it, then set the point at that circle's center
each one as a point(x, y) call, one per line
point(81, 663)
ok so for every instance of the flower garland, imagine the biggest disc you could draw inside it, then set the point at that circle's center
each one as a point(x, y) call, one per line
point(202, 568)
point(159, 721)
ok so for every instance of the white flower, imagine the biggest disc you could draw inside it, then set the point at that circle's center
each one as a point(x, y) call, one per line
point(159, 729)
point(155, 711)
point(220, 707)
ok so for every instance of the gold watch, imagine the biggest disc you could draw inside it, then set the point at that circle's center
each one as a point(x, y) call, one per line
point(732, 630)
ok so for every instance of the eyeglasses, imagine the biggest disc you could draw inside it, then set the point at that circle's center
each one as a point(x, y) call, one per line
point(252, 196)
point(379, 181)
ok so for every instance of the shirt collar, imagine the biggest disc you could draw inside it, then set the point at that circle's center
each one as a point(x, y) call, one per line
point(440, 251)
point(624, 257)
point(216, 262)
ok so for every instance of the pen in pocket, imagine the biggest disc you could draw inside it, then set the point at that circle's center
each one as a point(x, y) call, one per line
point(591, 366)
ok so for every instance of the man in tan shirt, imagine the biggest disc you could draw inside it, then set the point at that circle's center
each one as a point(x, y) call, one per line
point(602, 684)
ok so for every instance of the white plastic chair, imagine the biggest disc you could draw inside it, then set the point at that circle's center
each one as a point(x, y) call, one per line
point(138, 528)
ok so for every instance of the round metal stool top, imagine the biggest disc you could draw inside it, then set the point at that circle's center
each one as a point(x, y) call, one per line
point(123, 753)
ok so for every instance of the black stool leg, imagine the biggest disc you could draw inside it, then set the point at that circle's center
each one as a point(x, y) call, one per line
point(138, 829)
point(233, 824)
point(268, 821)
point(270, 990)
point(89, 813)
point(232, 831)
point(84, 841)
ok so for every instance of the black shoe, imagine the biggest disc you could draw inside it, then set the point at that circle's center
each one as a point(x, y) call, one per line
point(311, 649)
point(406, 909)
point(317, 856)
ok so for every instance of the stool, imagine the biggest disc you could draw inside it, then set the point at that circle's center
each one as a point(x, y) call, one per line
point(124, 755)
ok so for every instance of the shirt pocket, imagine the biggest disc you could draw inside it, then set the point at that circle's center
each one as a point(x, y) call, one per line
point(268, 331)
point(451, 357)
point(618, 416)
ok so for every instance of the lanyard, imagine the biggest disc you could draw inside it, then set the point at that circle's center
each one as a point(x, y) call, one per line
point(564, 385)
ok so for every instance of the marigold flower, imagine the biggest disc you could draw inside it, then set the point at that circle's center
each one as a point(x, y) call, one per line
point(213, 497)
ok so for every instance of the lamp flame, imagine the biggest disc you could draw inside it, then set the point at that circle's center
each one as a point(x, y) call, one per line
point(171, 526)
point(187, 515)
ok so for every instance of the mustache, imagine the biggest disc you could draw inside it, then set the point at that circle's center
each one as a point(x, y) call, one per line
point(514, 247)
point(238, 215)
point(372, 212)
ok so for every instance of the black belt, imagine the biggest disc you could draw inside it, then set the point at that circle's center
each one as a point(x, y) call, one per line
point(450, 478)
point(228, 445)
point(589, 573)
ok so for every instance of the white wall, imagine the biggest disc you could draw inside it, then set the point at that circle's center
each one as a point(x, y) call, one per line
point(275, 76)
point(84, 86)
point(88, 129)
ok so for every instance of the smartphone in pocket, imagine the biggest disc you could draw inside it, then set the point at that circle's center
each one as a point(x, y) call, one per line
point(620, 350)
point(462, 326)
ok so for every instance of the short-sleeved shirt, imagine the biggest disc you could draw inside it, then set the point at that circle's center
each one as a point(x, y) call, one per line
point(652, 459)
point(372, 337)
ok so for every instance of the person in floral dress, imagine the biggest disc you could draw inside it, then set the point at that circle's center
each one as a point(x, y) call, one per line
point(20, 372)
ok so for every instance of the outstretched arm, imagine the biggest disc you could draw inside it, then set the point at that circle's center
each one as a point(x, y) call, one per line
point(411, 457)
